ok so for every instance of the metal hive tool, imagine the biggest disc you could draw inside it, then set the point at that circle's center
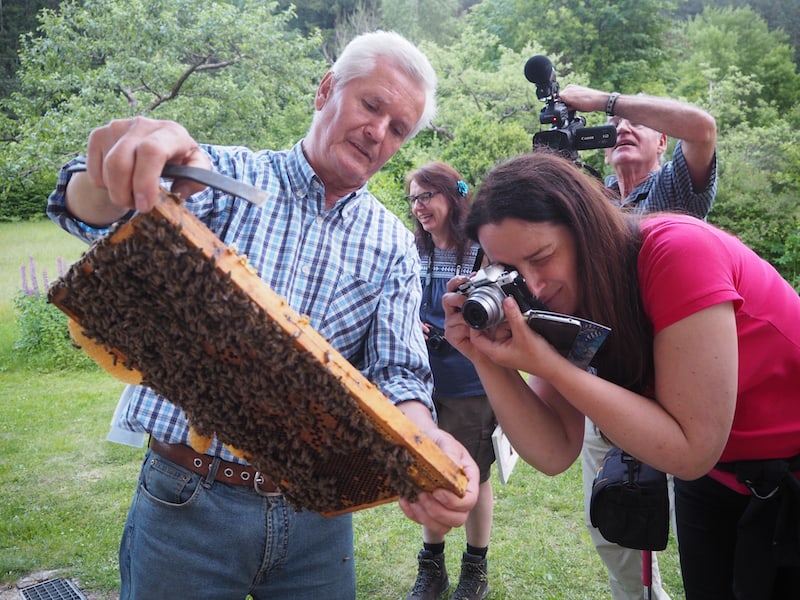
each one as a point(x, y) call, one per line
point(166, 297)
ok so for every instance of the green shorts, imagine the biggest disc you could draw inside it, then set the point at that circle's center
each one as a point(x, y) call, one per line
point(471, 421)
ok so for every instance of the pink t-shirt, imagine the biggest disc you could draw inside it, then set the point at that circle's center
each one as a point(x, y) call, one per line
point(686, 265)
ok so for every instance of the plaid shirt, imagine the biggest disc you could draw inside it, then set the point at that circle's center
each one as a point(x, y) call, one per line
point(353, 269)
point(670, 189)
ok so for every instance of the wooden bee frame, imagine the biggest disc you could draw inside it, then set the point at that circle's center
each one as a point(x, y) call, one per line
point(166, 297)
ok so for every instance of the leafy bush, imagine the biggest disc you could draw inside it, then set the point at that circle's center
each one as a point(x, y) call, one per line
point(24, 198)
point(44, 342)
point(789, 263)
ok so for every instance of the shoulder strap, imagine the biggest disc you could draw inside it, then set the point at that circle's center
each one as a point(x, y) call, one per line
point(478, 260)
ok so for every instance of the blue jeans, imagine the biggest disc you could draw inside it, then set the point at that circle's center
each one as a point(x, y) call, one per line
point(187, 537)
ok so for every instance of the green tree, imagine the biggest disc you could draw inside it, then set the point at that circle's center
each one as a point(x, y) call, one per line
point(340, 20)
point(734, 48)
point(744, 74)
point(779, 14)
point(619, 45)
point(435, 20)
point(759, 183)
point(16, 18)
point(487, 112)
point(336, 21)
point(231, 71)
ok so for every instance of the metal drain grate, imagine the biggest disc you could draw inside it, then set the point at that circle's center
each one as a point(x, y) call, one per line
point(52, 589)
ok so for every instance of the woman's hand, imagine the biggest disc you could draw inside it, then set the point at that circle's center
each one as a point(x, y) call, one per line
point(457, 332)
point(514, 345)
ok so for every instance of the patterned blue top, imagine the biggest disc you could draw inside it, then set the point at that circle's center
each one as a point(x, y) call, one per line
point(353, 269)
point(454, 375)
point(670, 189)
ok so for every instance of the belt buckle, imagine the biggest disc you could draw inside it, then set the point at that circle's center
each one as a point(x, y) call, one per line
point(257, 481)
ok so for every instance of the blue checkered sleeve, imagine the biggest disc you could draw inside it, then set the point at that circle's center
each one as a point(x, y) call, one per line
point(670, 189)
point(353, 269)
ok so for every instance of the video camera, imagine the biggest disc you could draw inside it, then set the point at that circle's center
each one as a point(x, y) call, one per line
point(568, 133)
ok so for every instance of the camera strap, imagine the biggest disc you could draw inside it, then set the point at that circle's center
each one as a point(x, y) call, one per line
point(478, 260)
point(427, 293)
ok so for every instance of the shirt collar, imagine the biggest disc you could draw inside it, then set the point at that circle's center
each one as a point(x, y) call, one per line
point(308, 184)
point(612, 182)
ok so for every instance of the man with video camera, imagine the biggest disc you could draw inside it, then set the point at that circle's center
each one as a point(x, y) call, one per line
point(687, 183)
point(645, 183)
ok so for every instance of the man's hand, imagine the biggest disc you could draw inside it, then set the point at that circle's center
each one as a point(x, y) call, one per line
point(584, 99)
point(441, 510)
point(124, 160)
point(695, 127)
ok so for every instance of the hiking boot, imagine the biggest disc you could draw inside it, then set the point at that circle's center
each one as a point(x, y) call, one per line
point(473, 583)
point(432, 581)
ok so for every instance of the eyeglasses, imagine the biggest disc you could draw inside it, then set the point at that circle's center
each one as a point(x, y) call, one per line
point(422, 198)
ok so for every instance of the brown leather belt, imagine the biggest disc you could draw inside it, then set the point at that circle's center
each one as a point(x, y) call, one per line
point(227, 472)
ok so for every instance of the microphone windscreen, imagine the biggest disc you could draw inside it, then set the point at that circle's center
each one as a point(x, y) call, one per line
point(539, 69)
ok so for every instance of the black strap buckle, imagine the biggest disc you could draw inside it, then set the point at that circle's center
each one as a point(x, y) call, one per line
point(752, 487)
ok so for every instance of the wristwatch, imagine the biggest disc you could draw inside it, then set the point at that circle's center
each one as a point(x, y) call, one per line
point(612, 100)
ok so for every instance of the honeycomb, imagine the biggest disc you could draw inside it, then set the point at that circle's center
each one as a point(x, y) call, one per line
point(165, 297)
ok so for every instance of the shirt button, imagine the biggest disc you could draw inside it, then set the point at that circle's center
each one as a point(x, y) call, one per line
point(306, 269)
point(320, 219)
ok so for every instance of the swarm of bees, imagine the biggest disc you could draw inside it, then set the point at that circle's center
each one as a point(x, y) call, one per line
point(169, 305)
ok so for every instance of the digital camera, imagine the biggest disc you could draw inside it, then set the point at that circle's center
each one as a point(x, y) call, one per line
point(486, 291)
point(436, 342)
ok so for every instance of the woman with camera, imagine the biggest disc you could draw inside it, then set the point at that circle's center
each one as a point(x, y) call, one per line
point(699, 377)
point(439, 202)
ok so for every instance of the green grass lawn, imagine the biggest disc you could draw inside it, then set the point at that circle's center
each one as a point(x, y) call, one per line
point(64, 490)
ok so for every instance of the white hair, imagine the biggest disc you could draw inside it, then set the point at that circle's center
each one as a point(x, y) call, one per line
point(360, 55)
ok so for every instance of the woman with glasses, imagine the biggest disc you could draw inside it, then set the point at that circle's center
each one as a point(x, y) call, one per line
point(439, 201)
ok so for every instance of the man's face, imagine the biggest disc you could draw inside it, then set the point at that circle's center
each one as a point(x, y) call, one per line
point(637, 146)
point(361, 124)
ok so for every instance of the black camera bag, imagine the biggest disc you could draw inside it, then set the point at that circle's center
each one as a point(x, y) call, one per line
point(630, 503)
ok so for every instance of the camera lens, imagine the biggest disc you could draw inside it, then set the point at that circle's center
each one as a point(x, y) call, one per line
point(438, 344)
point(484, 307)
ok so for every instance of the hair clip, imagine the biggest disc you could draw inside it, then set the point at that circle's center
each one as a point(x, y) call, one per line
point(462, 187)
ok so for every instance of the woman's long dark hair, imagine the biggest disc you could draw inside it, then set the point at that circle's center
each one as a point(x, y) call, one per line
point(543, 187)
point(443, 178)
